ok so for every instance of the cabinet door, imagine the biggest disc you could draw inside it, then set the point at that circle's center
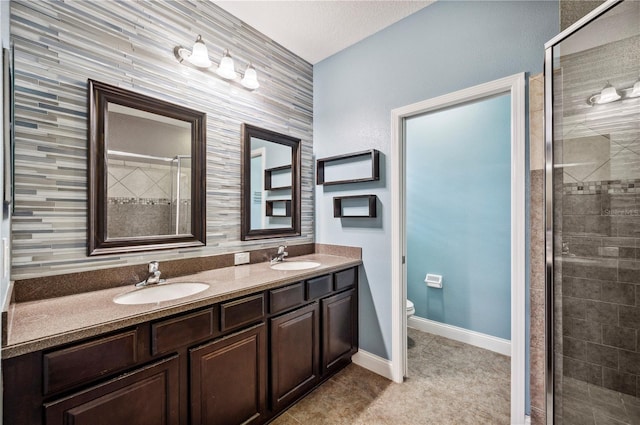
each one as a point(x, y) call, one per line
point(339, 330)
point(295, 354)
point(229, 379)
point(148, 396)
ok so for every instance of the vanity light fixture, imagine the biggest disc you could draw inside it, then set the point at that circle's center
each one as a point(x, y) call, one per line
point(198, 56)
point(250, 79)
point(609, 94)
point(227, 69)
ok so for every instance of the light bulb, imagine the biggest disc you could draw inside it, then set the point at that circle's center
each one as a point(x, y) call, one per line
point(250, 79)
point(199, 55)
point(608, 94)
point(226, 69)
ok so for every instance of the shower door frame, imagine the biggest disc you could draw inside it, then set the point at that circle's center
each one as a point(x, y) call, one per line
point(548, 198)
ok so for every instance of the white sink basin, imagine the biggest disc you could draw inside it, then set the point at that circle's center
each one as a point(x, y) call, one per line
point(295, 265)
point(161, 292)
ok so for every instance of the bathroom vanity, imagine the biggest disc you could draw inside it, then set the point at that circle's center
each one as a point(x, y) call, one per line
point(240, 352)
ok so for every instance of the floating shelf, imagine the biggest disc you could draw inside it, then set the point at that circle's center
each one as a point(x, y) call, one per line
point(270, 173)
point(359, 166)
point(359, 206)
point(282, 208)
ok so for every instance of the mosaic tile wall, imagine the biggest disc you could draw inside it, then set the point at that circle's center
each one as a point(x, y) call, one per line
point(59, 45)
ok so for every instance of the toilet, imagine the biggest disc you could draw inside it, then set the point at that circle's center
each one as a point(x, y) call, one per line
point(410, 309)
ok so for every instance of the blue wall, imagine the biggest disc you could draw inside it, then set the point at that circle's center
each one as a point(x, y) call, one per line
point(445, 47)
point(458, 215)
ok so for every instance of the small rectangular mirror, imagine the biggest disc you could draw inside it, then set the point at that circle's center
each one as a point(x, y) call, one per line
point(146, 170)
point(270, 184)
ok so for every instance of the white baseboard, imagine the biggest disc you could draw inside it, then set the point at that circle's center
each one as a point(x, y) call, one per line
point(375, 364)
point(478, 339)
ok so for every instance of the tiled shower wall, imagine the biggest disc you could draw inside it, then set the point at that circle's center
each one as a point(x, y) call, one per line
point(59, 45)
point(598, 194)
point(600, 278)
point(141, 198)
point(570, 12)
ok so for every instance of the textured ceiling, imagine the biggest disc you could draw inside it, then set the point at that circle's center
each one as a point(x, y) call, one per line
point(315, 30)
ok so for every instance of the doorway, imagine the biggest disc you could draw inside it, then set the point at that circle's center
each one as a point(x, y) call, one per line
point(513, 87)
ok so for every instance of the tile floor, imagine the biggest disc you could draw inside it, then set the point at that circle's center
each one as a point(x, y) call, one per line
point(588, 404)
point(449, 383)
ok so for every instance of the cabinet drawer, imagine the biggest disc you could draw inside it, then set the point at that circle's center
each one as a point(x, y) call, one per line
point(87, 361)
point(241, 312)
point(284, 298)
point(149, 395)
point(319, 287)
point(345, 279)
point(179, 331)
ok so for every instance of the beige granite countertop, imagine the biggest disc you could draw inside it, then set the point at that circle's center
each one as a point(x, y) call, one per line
point(37, 325)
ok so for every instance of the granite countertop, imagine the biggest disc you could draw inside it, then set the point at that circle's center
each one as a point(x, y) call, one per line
point(37, 325)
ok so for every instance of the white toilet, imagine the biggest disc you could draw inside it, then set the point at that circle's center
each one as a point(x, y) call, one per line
point(410, 309)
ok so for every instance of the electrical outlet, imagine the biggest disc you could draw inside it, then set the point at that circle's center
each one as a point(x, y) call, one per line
point(241, 258)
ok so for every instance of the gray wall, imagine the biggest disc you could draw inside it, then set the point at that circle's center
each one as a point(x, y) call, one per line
point(572, 10)
point(139, 135)
point(59, 45)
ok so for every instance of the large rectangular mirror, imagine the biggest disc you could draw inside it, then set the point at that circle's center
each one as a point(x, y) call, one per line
point(146, 172)
point(270, 184)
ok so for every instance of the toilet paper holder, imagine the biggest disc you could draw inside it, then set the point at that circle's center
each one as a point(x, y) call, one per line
point(433, 280)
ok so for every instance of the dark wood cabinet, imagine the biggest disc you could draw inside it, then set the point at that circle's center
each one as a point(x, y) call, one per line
point(295, 354)
point(148, 396)
point(238, 361)
point(84, 362)
point(339, 330)
point(170, 334)
point(229, 379)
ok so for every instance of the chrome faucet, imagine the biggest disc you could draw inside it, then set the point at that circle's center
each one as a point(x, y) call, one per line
point(154, 275)
point(279, 257)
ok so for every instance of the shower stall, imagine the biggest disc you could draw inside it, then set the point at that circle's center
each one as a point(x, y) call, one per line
point(148, 195)
point(592, 214)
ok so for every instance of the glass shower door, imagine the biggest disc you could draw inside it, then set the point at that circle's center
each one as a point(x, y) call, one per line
point(593, 213)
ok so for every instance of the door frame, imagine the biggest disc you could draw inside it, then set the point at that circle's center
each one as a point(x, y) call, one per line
point(261, 152)
point(515, 86)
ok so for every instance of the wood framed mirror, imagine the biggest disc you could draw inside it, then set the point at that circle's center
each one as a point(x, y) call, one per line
point(270, 184)
point(146, 173)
